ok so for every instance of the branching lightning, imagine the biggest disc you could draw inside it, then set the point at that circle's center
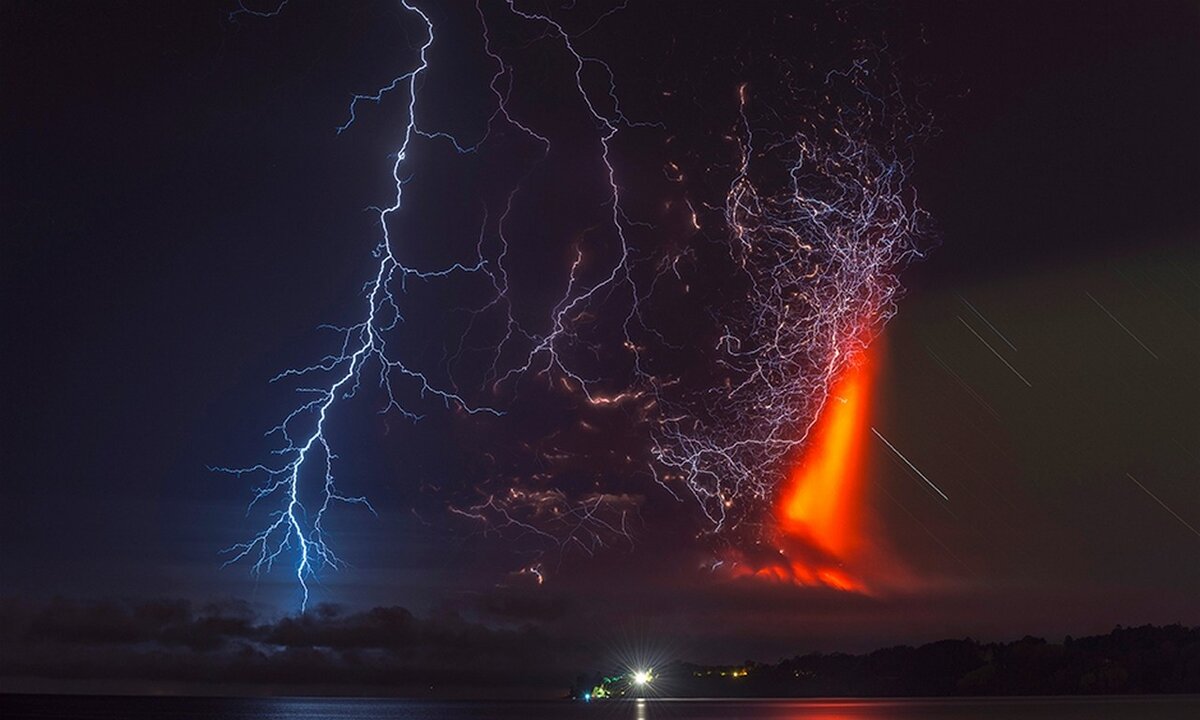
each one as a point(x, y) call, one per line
point(297, 531)
point(819, 254)
point(364, 344)
point(588, 521)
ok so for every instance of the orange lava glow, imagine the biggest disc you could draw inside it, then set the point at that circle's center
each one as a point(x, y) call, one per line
point(820, 512)
point(821, 504)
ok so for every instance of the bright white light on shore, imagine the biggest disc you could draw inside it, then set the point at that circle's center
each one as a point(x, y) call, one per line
point(641, 677)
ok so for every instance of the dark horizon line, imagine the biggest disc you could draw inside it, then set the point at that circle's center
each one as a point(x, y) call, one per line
point(1127, 661)
point(1141, 660)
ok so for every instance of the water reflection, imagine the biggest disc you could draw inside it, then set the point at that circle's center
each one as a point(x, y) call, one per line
point(1080, 708)
point(761, 710)
point(14, 707)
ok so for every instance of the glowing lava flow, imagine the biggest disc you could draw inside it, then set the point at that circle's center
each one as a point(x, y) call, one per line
point(819, 511)
point(818, 221)
point(822, 219)
point(822, 504)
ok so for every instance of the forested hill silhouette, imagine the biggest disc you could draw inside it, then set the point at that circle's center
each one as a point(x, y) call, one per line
point(1139, 660)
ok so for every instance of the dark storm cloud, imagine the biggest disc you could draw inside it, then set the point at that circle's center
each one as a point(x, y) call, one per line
point(521, 605)
point(167, 623)
point(222, 644)
point(528, 642)
point(177, 223)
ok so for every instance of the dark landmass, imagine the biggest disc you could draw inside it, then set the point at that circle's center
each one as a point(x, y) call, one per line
point(1141, 660)
point(175, 647)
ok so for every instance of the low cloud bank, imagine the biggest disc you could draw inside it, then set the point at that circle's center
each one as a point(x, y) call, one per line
point(221, 646)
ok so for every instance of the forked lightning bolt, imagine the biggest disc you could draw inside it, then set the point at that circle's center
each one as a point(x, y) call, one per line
point(819, 257)
point(296, 529)
point(294, 525)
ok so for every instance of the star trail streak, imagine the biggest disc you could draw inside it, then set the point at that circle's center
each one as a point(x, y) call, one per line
point(820, 251)
point(910, 465)
point(818, 221)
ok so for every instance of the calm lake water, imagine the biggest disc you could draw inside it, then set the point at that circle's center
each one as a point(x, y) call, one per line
point(14, 707)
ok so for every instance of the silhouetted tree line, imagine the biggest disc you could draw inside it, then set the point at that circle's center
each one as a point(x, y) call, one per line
point(1147, 659)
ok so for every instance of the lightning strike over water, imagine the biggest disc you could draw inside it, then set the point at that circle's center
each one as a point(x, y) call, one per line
point(817, 223)
point(424, 351)
point(294, 527)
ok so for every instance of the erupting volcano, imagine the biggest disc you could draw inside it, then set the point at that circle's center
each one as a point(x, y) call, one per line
point(821, 509)
point(820, 515)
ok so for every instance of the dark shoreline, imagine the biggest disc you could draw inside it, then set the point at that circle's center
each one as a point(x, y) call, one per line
point(142, 707)
point(1146, 660)
point(18, 696)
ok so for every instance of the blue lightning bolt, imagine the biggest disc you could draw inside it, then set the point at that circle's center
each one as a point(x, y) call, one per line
point(820, 258)
point(362, 344)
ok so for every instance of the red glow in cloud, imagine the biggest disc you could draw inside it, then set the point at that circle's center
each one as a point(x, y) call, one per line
point(822, 504)
point(820, 514)
point(822, 500)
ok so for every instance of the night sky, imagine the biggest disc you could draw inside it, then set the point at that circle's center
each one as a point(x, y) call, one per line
point(180, 214)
